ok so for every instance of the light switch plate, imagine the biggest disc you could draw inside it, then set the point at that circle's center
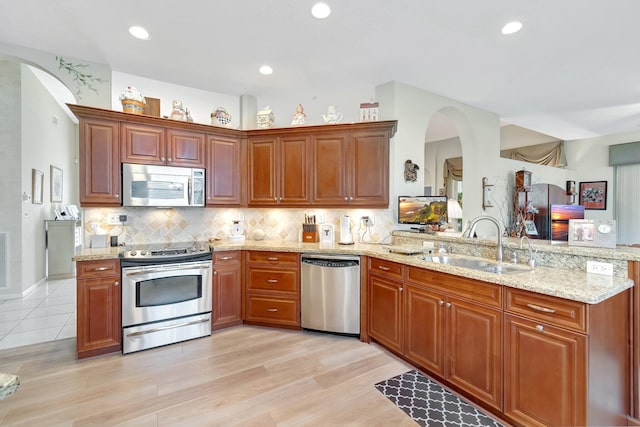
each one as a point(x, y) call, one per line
point(605, 268)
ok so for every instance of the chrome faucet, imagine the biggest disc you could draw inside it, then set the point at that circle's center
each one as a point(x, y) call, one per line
point(532, 261)
point(472, 229)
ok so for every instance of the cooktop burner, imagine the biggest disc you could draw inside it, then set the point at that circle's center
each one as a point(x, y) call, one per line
point(166, 250)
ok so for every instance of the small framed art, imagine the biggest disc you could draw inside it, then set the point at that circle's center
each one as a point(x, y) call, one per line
point(593, 195)
point(56, 184)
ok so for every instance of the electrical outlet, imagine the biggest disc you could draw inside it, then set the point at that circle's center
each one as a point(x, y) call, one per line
point(113, 219)
point(605, 268)
point(367, 220)
point(320, 218)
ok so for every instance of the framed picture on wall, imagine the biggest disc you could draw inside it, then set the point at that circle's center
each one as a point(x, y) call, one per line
point(37, 182)
point(56, 184)
point(593, 195)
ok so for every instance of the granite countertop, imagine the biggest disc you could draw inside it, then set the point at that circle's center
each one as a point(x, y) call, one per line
point(570, 284)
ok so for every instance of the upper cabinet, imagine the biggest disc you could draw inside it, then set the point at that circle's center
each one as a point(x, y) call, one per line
point(278, 170)
point(224, 171)
point(351, 169)
point(324, 166)
point(100, 180)
point(153, 145)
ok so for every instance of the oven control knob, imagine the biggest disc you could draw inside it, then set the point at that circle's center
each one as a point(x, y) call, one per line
point(143, 253)
point(133, 253)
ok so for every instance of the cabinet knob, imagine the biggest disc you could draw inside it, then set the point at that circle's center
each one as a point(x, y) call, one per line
point(539, 328)
point(169, 159)
point(400, 289)
point(350, 198)
point(346, 198)
point(448, 305)
point(440, 302)
point(116, 283)
point(117, 196)
point(215, 272)
point(162, 159)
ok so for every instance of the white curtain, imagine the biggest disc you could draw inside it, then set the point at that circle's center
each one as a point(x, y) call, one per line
point(628, 203)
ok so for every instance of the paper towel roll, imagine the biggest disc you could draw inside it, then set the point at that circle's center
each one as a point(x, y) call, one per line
point(345, 231)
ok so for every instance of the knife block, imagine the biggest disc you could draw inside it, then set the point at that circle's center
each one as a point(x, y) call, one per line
point(310, 233)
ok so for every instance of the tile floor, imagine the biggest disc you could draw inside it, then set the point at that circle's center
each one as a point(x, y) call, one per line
point(48, 313)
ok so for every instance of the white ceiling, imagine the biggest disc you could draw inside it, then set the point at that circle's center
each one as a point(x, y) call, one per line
point(572, 72)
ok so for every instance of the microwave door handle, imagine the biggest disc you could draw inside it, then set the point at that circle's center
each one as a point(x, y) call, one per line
point(189, 190)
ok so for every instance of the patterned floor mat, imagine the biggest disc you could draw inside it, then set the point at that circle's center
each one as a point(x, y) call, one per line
point(430, 404)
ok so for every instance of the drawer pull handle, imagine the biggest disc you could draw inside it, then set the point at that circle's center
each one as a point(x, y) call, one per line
point(273, 258)
point(101, 268)
point(226, 258)
point(383, 268)
point(272, 280)
point(272, 310)
point(539, 308)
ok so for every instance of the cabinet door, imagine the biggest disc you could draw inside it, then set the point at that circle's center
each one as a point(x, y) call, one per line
point(99, 321)
point(185, 148)
point(544, 374)
point(424, 335)
point(330, 182)
point(294, 159)
point(143, 144)
point(369, 177)
point(227, 291)
point(385, 308)
point(223, 171)
point(262, 186)
point(473, 346)
point(100, 163)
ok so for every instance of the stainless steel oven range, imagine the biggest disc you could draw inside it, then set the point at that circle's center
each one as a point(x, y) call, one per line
point(166, 294)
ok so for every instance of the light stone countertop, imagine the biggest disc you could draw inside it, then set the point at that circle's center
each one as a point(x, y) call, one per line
point(575, 285)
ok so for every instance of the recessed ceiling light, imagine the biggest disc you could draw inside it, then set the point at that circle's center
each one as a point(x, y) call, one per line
point(512, 27)
point(266, 70)
point(320, 10)
point(139, 33)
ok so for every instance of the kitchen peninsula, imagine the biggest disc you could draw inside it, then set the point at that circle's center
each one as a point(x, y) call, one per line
point(501, 340)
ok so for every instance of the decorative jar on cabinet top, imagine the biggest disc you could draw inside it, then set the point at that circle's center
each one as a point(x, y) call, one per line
point(265, 118)
point(132, 101)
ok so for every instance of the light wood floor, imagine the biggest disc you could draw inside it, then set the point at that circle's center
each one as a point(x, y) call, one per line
point(243, 376)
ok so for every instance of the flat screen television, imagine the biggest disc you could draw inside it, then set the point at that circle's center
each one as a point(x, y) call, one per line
point(422, 209)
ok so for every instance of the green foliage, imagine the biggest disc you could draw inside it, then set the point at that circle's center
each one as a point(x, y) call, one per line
point(82, 79)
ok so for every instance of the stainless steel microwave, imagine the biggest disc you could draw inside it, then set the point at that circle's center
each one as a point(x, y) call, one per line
point(162, 186)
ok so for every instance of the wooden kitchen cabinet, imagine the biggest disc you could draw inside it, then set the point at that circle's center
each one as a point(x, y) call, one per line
point(272, 289)
point(278, 170)
point(227, 289)
point(224, 171)
point(450, 333)
point(156, 145)
point(565, 362)
point(351, 169)
point(99, 172)
point(99, 322)
point(386, 308)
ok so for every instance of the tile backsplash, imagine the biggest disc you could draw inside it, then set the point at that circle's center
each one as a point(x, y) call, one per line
point(153, 225)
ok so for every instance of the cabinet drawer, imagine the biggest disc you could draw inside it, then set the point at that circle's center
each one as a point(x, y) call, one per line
point(272, 310)
point(273, 258)
point(558, 311)
point(475, 290)
point(273, 280)
point(226, 257)
point(98, 268)
point(389, 269)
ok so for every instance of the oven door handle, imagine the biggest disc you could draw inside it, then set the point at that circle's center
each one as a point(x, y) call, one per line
point(129, 273)
point(164, 328)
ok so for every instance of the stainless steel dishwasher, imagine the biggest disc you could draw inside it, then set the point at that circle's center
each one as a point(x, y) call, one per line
point(330, 293)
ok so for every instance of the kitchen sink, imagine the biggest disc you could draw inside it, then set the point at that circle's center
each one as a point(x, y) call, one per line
point(476, 264)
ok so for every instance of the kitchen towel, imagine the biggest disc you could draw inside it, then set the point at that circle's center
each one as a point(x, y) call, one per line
point(430, 404)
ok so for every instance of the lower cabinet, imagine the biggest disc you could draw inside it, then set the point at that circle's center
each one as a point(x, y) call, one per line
point(455, 338)
point(227, 289)
point(565, 362)
point(99, 322)
point(386, 308)
point(272, 289)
